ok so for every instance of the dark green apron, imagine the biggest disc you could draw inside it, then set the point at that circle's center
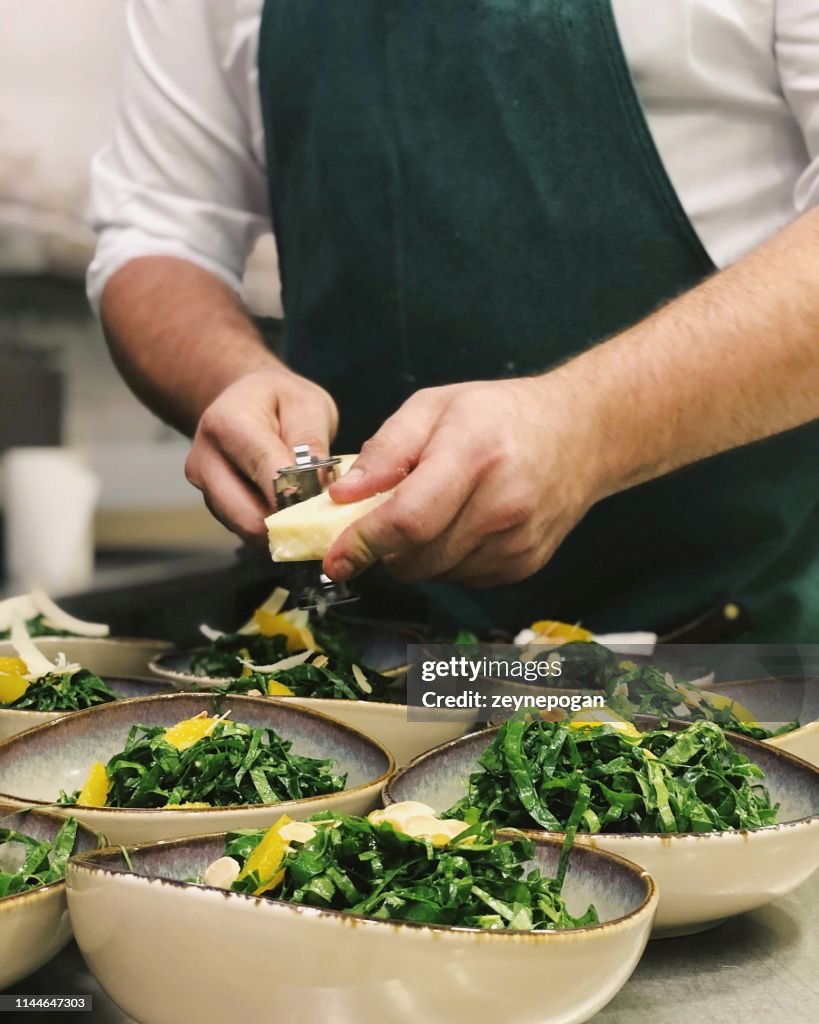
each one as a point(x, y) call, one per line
point(467, 189)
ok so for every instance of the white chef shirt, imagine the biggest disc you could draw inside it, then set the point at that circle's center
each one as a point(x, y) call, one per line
point(730, 89)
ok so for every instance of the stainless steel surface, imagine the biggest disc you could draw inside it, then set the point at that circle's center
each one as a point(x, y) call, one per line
point(306, 478)
point(760, 967)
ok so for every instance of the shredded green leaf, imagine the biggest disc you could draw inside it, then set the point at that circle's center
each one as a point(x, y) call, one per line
point(538, 774)
point(308, 680)
point(358, 867)
point(235, 764)
point(26, 862)
point(37, 627)
point(64, 692)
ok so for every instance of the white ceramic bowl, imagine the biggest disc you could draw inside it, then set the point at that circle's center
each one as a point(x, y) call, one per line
point(191, 953)
point(15, 720)
point(703, 877)
point(119, 657)
point(387, 723)
point(37, 764)
point(34, 925)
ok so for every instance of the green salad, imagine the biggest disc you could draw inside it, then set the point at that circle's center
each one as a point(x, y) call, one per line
point(26, 862)
point(313, 679)
point(61, 691)
point(206, 761)
point(563, 776)
point(372, 867)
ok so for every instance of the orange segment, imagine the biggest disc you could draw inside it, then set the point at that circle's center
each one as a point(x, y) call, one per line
point(12, 685)
point(299, 638)
point(548, 629)
point(13, 667)
point(276, 689)
point(95, 791)
point(266, 858)
point(185, 734)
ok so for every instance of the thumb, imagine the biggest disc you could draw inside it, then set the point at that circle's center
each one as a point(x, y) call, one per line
point(390, 454)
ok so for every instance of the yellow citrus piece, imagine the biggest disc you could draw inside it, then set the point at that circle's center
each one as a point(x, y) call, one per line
point(720, 701)
point(191, 730)
point(594, 719)
point(244, 654)
point(275, 689)
point(192, 803)
point(95, 791)
point(548, 629)
point(13, 666)
point(12, 686)
point(267, 857)
point(299, 638)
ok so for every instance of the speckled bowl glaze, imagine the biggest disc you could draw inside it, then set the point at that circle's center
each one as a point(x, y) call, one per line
point(776, 701)
point(15, 720)
point(263, 959)
point(118, 657)
point(37, 764)
point(34, 925)
point(704, 877)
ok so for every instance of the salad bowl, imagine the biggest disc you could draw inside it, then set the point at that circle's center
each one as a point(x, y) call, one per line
point(280, 961)
point(384, 650)
point(37, 765)
point(16, 720)
point(34, 924)
point(703, 877)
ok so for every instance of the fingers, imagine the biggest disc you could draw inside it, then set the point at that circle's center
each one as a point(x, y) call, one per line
point(231, 500)
point(248, 439)
point(307, 418)
point(423, 507)
point(393, 452)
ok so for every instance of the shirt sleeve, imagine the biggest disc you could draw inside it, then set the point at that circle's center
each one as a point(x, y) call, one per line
point(797, 51)
point(180, 177)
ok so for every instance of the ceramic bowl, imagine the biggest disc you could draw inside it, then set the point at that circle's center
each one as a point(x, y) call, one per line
point(704, 877)
point(37, 764)
point(118, 657)
point(192, 953)
point(383, 649)
point(34, 925)
point(14, 720)
point(776, 701)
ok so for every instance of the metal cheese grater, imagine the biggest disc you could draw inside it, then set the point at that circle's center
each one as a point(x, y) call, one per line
point(309, 476)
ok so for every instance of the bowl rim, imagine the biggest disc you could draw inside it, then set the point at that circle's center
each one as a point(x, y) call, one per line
point(381, 780)
point(6, 810)
point(587, 838)
point(165, 646)
point(647, 905)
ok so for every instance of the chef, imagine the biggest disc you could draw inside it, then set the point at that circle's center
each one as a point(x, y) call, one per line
point(554, 264)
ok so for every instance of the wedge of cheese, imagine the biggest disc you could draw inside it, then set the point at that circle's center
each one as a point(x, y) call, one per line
point(306, 532)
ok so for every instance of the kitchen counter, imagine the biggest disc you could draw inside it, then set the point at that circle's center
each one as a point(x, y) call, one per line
point(754, 968)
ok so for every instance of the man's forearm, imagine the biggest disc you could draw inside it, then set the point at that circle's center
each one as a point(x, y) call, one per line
point(733, 361)
point(179, 336)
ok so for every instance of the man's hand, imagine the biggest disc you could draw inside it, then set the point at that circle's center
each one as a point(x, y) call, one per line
point(489, 483)
point(186, 346)
point(495, 475)
point(248, 433)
